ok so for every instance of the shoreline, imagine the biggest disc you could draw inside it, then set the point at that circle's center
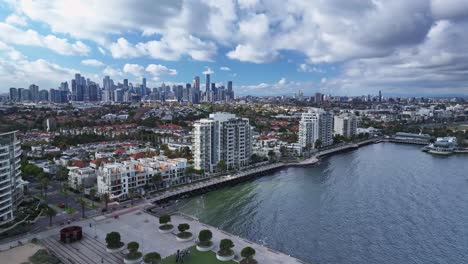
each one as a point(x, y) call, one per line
point(197, 188)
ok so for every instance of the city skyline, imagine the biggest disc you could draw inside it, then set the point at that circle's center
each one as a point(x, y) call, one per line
point(334, 47)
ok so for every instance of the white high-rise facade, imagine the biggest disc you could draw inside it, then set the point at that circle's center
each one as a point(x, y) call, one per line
point(222, 136)
point(345, 125)
point(316, 124)
point(11, 184)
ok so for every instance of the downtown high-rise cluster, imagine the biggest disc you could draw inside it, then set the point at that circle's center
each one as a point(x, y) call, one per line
point(81, 89)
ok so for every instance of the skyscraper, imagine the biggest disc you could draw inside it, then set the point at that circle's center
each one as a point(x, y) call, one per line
point(207, 87)
point(221, 137)
point(34, 92)
point(230, 92)
point(93, 92)
point(13, 94)
point(11, 191)
point(196, 90)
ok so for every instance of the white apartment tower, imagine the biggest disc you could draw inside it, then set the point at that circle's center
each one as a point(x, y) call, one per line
point(11, 184)
point(345, 125)
point(222, 136)
point(316, 124)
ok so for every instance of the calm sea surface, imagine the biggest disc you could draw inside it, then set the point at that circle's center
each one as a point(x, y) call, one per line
point(382, 203)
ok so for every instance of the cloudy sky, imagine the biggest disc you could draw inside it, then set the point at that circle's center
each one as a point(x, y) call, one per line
point(347, 47)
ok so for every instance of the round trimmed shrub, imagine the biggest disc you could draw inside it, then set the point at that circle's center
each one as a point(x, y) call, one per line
point(225, 248)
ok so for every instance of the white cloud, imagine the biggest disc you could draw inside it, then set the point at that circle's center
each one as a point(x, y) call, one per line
point(14, 19)
point(17, 71)
point(307, 68)
point(14, 35)
point(92, 62)
point(208, 71)
point(170, 47)
point(224, 68)
point(282, 81)
point(134, 69)
point(248, 53)
point(112, 72)
point(369, 40)
point(158, 69)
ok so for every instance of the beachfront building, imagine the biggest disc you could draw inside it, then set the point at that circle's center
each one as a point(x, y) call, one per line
point(345, 125)
point(81, 177)
point(119, 178)
point(316, 126)
point(221, 137)
point(11, 183)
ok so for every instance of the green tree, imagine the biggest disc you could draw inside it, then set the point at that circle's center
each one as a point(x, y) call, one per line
point(183, 227)
point(157, 179)
point(318, 143)
point(62, 173)
point(106, 199)
point(82, 203)
point(225, 247)
point(131, 193)
point(92, 195)
point(44, 181)
point(113, 240)
point(247, 253)
point(51, 213)
point(205, 237)
point(221, 166)
point(65, 192)
point(271, 154)
point(152, 258)
point(164, 219)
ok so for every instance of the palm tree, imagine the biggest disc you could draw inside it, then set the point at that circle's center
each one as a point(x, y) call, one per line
point(65, 192)
point(50, 212)
point(44, 183)
point(82, 202)
point(106, 199)
point(131, 193)
point(92, 195)
point(156, 179)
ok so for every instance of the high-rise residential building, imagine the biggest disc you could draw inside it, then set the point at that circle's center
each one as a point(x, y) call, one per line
point(43, 95)
point(207, 85)
point(24, 94)
point(221, 137)
point(196, 90)
point(318, 98)
point(33, 92)
point(230, 92)
point(93, 92)
point(64, 86)
point(11, 184)
point(315, 126)
point(14, 94)
point(345, 125)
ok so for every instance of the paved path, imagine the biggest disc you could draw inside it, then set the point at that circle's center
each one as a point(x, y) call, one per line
point(86, 251)
point(213, 181)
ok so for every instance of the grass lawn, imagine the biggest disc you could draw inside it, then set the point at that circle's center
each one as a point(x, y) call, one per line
point(70, 210)
point(197, 257)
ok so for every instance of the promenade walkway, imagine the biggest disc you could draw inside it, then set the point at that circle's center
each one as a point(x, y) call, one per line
point(143, 228)
point(212, 182)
